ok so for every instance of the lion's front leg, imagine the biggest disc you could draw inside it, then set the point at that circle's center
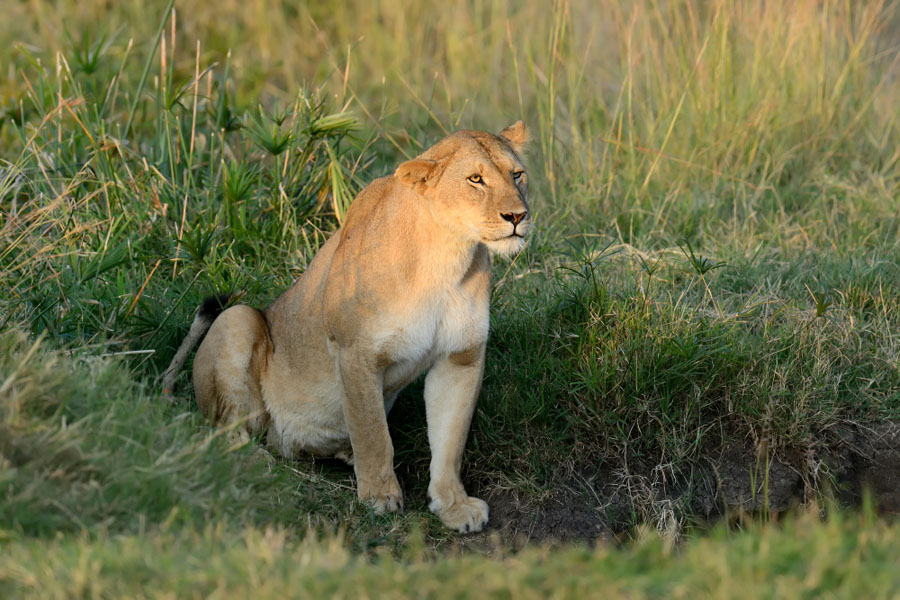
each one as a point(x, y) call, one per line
point(373, 452)
point(451, 390)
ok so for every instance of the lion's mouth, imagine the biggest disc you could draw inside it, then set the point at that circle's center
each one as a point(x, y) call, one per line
point(506, 245)
point(506, 237)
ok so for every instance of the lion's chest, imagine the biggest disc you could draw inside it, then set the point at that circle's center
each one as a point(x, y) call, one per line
point(462, 323)
point(453, 323)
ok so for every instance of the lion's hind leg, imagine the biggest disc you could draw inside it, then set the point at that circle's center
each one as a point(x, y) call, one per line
point(228, 372)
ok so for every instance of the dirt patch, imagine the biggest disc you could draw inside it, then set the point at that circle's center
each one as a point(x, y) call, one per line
point(563, 517)
point(881, 472)
point(871, 463)
point(591, 504)
point(748, 480)
point(600, 504)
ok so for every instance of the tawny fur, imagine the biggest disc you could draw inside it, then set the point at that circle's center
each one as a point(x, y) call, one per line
point(402, 288)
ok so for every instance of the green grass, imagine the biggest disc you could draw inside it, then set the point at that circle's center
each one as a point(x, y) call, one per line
point(86, 447)
point(715, 260)
point(842, 558)
point(106, 494)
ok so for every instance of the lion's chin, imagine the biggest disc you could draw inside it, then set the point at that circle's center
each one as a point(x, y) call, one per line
point(505, 246)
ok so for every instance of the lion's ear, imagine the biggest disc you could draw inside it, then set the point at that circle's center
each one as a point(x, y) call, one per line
point(517, 135)
point(415, 173)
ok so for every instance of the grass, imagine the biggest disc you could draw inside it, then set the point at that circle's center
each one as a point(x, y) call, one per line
point(843, 558)
point(133, 501)
point(715, 261)
point(87, 447)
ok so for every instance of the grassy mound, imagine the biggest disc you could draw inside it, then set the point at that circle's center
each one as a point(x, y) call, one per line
point(86, 447)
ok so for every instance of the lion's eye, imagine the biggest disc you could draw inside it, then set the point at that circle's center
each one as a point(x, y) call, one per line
point(476, 178)
point(518, 176)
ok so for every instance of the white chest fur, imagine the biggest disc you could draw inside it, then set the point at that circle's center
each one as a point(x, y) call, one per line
point(439, 327)
point(463, 323)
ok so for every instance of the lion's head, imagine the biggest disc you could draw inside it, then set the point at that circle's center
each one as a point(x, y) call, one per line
point(476, 185)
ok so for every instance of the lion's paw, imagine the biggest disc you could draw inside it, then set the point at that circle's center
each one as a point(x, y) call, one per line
point(346, 455)
point(387, 503)
point(467, 516)
point(384, 497)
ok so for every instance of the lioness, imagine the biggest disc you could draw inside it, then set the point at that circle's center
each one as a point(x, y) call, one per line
point(403, 287)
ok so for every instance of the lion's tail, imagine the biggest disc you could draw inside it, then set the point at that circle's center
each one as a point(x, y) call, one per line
point(206, 314)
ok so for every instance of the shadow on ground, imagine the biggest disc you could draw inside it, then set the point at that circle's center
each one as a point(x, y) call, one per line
point(604, 503)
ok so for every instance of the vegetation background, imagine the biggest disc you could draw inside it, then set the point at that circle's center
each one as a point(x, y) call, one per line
point(715, 266)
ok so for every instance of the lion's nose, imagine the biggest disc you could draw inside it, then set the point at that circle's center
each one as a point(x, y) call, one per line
point(514, 218)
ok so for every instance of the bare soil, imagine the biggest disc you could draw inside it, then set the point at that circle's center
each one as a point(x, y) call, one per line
point(603, 503)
